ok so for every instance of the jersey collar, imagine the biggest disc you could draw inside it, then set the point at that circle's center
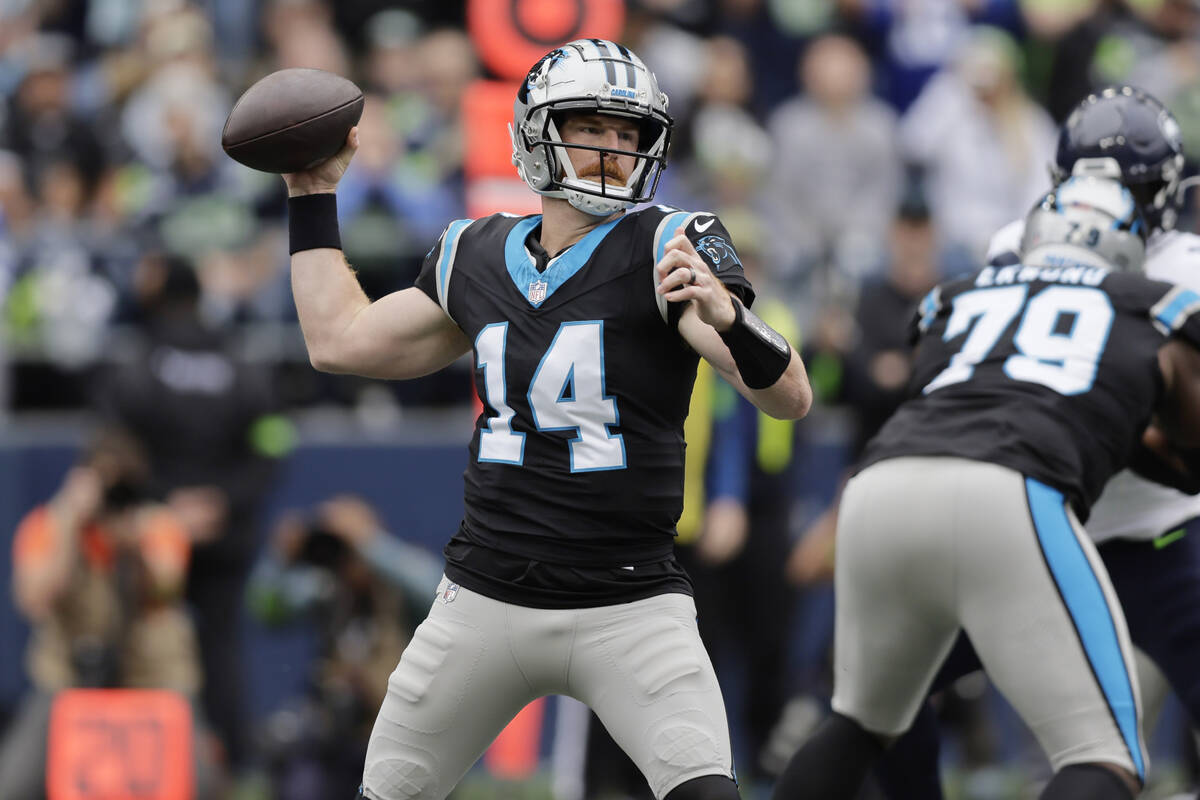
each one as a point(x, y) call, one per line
point(536, 287)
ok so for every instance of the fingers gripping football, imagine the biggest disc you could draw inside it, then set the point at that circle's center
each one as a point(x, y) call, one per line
point(323, 177)
point(683, 276)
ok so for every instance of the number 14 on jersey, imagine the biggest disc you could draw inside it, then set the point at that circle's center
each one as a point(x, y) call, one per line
point(566, 393)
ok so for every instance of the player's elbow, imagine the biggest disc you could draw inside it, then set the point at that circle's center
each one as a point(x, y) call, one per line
point(327, 359)
point(796, 401)
point(791, 397)
point(804, 401)
point(321, 361)
point(788, 398)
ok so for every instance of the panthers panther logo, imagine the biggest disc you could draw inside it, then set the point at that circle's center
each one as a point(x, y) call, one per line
point(718, 252)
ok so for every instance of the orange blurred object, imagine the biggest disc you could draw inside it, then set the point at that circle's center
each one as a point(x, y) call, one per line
point(511, 35)
point(120, 744)
point(492, 181)
point(514, 754)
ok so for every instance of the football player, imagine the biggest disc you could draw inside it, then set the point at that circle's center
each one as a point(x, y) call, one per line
point(1148, 535)
point(1031, 385)
point(585, 324)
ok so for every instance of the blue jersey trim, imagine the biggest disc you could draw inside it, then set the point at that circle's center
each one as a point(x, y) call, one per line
point(1088, 607)
point(929, 307)
point(668, 231)
point(446, 261)
point(1182, 305)
point(524, 273)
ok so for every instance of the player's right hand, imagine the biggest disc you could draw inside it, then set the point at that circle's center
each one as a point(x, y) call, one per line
point(683, 276)
point(324, 177)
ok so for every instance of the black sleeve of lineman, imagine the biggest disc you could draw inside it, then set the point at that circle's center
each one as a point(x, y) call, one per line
point(1147, 464)
point(834, 762)
point(1086, 782)
point(760, 352)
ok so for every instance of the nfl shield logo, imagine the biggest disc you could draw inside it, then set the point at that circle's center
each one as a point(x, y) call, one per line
point(537, 291)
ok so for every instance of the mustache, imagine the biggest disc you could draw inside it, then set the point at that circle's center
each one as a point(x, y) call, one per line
point(609, 171)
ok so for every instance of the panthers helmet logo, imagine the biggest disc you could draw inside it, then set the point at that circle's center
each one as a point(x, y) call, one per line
point(718, 252)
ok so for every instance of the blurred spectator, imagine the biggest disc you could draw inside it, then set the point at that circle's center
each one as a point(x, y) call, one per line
point(720, 108)
point(770, 51)
point(836, 172)
point(1103, 42)
point(98, 571)
point(181, 87)
point(388, 207)
point(672, 52)
point(201, 416)
point(41, 126)
point(363, 591)
point(392, 63)
point(875, 361)
point(1172, 70)
point(984, 144)
point(61, 302)
point(16, 211)
point(913, 41)
point(878, 366)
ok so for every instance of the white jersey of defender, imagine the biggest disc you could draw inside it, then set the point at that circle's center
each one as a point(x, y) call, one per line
point(1132, 507)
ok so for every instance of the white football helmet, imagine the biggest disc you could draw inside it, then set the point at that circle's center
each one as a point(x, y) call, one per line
point(1087, 219)
point(598, 76)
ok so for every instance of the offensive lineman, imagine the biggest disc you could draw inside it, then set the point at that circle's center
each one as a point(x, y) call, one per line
point(586, 324)
point(1148, 535)
point(1032, 384)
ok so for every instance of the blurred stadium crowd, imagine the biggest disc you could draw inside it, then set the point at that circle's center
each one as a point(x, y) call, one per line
point(805, 123)
point(857, 151)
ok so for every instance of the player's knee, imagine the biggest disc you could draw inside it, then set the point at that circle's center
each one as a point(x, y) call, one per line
point(399, 778)
point(706, 787)
point(1090, 782)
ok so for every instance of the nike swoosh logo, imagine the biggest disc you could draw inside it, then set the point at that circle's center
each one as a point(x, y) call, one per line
point(701, 228)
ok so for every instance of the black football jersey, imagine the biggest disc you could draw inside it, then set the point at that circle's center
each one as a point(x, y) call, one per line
point(1051, 371)
point(577, 456)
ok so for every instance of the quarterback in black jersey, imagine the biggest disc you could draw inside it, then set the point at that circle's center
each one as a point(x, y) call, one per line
point(586, 324)
point(1033, 384)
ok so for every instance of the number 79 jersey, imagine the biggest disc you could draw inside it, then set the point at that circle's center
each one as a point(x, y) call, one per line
point(577, 456)
point(1051, 371)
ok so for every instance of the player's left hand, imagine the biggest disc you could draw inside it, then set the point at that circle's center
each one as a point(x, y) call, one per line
point(682, 275)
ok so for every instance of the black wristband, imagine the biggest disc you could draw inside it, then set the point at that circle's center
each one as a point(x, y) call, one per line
point(313, 222)
point(760, 352)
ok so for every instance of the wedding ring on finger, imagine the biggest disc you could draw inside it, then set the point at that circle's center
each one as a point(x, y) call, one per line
point(692, 279)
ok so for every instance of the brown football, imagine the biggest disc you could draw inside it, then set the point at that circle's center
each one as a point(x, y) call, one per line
point(291, 120)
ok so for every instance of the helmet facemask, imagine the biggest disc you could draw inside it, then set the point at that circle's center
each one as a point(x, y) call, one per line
point(589, 77)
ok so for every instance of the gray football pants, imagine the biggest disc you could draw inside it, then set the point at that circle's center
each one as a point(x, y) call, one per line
point(929, 546)
point(475, 662)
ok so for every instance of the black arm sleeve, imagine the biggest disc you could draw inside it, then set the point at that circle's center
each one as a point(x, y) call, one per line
point(1147, 464)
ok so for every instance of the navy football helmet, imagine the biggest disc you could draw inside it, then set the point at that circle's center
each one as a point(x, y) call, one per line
point(1124, 130)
